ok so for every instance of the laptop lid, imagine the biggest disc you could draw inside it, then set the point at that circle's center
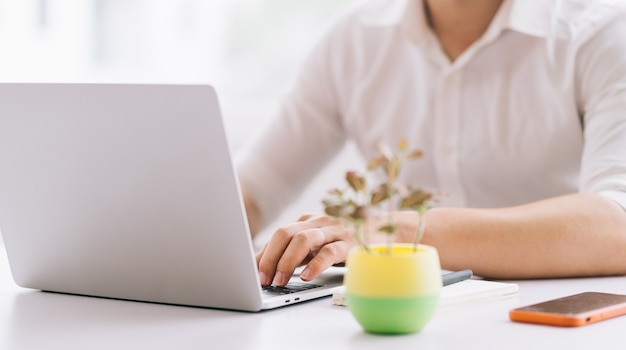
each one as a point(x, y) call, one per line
point(124, 191)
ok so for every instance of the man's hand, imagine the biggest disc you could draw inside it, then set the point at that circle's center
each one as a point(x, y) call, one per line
point(318, 241)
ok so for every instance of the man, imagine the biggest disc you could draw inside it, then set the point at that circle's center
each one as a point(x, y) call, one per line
point(518, 105)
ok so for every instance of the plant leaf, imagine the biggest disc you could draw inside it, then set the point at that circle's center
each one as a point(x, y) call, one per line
point(333, 210)
point(403, 144)
point(415, 199)
point(356, 181)
point(388, 229)
point(361, 212)
point(380, 194)
point(376, 163)
point(415, 154)
point(393, 167)
point(335, 192)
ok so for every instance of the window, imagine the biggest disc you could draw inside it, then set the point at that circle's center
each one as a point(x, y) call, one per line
point(240, 46)
point(247, 49)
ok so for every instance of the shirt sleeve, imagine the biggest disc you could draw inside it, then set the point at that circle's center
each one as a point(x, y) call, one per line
point(601, 73)
point(303, 137)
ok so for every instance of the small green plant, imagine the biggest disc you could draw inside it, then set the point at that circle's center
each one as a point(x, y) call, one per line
point(359, 202)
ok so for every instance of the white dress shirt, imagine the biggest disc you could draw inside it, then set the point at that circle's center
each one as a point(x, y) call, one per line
point(536, 108)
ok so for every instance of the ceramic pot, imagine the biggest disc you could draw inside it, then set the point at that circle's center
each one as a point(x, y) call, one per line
point(393, 293)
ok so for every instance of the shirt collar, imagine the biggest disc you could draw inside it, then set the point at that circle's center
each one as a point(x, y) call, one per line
point(531, 17)
point(546, 19)
point(414, 22)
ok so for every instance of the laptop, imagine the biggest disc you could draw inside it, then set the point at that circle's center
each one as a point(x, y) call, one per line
point(128, 191)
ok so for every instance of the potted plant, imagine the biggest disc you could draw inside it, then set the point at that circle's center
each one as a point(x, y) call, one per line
point(391, 288)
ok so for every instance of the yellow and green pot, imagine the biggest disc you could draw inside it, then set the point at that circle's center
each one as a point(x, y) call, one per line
point(393, 293)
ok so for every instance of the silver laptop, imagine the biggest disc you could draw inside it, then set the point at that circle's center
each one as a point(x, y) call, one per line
point(129, 192)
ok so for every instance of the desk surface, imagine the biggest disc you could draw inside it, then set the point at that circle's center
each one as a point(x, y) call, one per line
point(37, 320)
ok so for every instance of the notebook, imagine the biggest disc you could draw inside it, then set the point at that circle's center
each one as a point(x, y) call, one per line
point(471, 290)
point(128, 191)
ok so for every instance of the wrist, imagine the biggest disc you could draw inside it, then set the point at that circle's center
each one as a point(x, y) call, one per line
point(408, 225)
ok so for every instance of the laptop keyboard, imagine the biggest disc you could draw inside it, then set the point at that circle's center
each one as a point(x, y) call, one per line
point(291, 287)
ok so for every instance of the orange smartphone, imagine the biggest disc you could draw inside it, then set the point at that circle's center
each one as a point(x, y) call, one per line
point(571, 311)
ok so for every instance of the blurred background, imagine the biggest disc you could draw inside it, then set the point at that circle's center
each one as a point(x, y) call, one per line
point(247, 49)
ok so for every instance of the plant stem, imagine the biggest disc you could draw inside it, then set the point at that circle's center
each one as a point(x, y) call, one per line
point(357, 235)
point(391, 223)
point(420, 230)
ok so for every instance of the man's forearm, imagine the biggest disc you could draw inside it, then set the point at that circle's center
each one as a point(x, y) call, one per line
point(576, 235)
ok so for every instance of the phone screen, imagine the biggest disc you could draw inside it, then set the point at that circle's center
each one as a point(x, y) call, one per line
point(574, 310)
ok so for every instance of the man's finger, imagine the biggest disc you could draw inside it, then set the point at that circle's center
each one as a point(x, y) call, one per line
point(302, 245)
point(272, 252)
point(328, 255)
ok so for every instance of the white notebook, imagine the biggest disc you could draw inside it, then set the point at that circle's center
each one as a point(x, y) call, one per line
point(458, 293)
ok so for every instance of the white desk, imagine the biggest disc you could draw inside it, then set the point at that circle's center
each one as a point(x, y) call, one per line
point(37, 320)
